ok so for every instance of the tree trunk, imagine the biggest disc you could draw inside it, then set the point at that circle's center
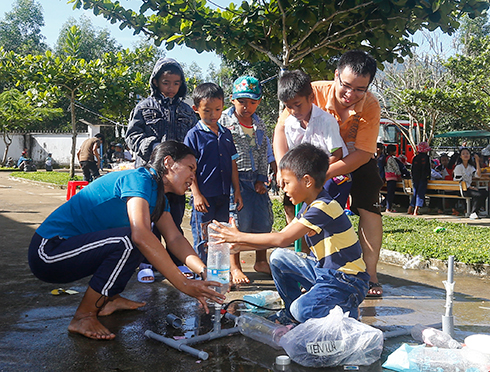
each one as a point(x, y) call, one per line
point(8, 142)
point(74, 135)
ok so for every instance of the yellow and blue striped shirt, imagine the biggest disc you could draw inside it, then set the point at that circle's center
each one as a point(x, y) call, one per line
point(335, 244)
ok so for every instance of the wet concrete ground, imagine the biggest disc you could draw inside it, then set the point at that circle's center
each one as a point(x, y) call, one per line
point(33, 323)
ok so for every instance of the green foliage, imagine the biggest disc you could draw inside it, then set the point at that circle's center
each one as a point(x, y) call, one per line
point(470, 80)
point(279, 216)
point(92, 42)
point(20, 30)
point(289, 33)
point(56, 178)
point(416, 236)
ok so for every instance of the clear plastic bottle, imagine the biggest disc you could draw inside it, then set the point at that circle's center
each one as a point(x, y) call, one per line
point(434, 337)
point(218, 265)
point(448, 360)
point(261, 329)
point(264, 298)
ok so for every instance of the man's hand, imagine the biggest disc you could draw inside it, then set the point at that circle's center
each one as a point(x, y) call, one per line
point(201, 204)
point(279, 181)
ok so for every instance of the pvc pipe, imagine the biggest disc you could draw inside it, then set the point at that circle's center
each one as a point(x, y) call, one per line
point(174, 321)
point(447, 319)
point(211, 336)
point(450, 269)
point(178, 345)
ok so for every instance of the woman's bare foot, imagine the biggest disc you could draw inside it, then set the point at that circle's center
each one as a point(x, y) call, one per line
point(89, 326)
point(119, 303)
point(262, 267)
point(238, 277)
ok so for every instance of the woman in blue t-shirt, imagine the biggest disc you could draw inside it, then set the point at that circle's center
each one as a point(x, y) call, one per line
point(105, 231)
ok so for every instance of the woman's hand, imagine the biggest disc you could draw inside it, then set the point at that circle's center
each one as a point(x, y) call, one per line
point(202, 291)
point(224, 233)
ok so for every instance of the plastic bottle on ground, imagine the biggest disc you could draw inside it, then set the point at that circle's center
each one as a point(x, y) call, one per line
point(218, 265)
point(264, 299)
point(261, 329)
point(449, 360)
point(434, 337)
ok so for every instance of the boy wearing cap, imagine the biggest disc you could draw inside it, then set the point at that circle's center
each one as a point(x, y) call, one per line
point(250, 140)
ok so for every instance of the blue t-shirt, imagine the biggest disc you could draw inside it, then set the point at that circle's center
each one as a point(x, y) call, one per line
point(335, 244)
point(101, 205)
point(214, 158)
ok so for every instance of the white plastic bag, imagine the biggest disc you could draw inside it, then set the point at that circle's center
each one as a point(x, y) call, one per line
point(332, 341)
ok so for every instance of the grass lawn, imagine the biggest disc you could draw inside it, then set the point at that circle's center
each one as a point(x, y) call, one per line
point(415, 236)
point(57, 178)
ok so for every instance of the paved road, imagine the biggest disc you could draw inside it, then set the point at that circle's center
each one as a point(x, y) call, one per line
point(33, 323)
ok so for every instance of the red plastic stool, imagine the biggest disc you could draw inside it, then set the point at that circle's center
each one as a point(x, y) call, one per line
point(72, 188)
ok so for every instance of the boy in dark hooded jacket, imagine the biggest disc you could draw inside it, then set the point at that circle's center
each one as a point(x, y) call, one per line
point(162, 116)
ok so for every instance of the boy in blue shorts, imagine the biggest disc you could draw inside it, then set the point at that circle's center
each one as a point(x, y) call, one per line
point(216, 166)
point(250, 140)
point(308, 123)
point(336, 273)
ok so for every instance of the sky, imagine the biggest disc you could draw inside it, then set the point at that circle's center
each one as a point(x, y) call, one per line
point(57, 12)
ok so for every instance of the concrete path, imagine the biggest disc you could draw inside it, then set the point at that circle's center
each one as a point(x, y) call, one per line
point(33, 322)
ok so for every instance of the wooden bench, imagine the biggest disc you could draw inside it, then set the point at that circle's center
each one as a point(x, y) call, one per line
point(435, 189)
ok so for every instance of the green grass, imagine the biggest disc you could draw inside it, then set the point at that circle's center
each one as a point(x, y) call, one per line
point(416, 236)
point(57, 178)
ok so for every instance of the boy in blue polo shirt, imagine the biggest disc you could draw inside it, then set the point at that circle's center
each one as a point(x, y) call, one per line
point(336, 273)
point(216, 166)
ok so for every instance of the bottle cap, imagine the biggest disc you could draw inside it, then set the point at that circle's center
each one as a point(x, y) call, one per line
point(283, 360)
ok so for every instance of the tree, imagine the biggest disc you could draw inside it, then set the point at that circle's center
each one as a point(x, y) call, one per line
point(93, 42)
point(75, 78)
point(17, 112)
point(20, 30)
point(288, 32)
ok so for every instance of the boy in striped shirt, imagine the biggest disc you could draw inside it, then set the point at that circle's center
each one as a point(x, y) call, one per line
point(335, 273)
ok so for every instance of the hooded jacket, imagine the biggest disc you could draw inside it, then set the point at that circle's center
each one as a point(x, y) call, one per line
point(158, 118)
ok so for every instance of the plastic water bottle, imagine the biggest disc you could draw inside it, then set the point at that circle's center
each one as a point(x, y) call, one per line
point(261, 329)
point(264, 298)
point(218, 265)
point(447, 360)
point(434, 337)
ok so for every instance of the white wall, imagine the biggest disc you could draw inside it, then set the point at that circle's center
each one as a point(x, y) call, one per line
point(40, 144)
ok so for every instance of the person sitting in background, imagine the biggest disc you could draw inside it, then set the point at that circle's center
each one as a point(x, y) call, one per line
point(442, 167)
point(118, 155)
point(434, 174)
point(23, 157)
point(465, 170)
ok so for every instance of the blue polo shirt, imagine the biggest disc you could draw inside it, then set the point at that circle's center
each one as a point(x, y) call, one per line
point(215, 154)
point(101, 205)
